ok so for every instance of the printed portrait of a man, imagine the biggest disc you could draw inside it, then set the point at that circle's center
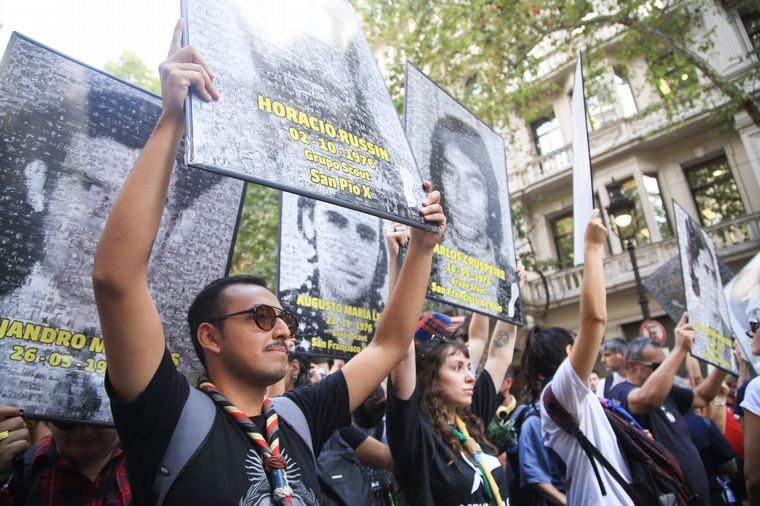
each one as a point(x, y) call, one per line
point(335, 255)
point(70, 136)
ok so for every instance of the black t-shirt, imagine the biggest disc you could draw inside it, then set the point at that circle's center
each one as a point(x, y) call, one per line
point(227, 469)
point(422, 458)
point(669, 428)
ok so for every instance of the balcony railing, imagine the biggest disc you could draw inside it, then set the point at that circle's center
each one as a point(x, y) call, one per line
point(730, 237)
point(606, 139)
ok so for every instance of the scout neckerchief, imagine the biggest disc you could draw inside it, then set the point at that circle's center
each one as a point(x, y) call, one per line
point(274, 462)
point(473, 448)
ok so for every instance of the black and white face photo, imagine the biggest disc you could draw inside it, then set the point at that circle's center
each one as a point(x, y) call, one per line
point(299, 78)
point(332, 274)
point(70, 137)
point(703, 290)
point(475, 267)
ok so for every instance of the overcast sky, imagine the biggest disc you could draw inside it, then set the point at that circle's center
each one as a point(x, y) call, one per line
point(94, 31)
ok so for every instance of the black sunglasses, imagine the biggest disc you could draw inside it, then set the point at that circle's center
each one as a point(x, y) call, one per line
point(265, 317)
point(753, 326)
point(653, 365)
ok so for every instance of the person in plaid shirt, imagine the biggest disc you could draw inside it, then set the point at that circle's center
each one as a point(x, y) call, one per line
point(78, 464)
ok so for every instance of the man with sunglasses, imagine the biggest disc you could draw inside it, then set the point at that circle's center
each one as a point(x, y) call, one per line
point(750, 408)
point(242, 335)
point(76, 464)
point(658, 405)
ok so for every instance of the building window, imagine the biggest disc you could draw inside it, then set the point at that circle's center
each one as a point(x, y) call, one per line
point(652, 186)
point(624, 93)
point(562, 227)
point(715, 192)
point(548, 138)
point(546, 135)
point(601, 109)
point(628, 187)
point(751, 22)
point(611, 101)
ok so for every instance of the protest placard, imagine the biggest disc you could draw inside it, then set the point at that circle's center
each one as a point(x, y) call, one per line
point(303, 106)
point(70, 137)
point(474, 266)
point(333, 272)
point(703, 293)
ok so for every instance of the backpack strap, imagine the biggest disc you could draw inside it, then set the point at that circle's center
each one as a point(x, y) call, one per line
point(608, 381)
point(569, 424)
point(21, 470)
point(191, 431)
point(519, 414)
point(291, 413)
point(193, 428)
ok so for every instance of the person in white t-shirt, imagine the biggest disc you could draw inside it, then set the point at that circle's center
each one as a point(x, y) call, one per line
point(569, 385)
point(751, 420)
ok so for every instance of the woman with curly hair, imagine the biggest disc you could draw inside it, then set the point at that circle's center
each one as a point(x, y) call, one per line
point(435, 413)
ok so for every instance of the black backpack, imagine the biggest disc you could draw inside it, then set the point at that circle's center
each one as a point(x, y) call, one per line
point(341, 474)
point(504, 431)
point(657, 477)
point(341, 479)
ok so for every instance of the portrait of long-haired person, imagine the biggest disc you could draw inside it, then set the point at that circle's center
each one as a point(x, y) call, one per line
point(460, 166)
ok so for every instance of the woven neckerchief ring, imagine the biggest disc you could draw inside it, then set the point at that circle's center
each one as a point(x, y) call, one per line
point(274, 462)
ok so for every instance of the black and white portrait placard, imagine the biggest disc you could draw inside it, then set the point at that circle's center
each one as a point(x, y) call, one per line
point(474, 266)
point(703, 291)
point(304, 107)
point(333, 274)
point(666, 286)
point(70, 135)
point(743, 299)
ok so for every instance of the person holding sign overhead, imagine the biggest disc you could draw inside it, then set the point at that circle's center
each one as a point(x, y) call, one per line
point(650, 396)
point(242, 336)
point(436, 408)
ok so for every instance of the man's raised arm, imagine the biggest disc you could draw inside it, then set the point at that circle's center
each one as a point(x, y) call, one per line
point(396, 327)
point(132, 332)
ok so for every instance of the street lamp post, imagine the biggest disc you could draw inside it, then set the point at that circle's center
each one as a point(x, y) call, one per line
point(621, 210)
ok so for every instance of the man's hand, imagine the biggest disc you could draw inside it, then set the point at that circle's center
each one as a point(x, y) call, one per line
point(685, 333)
point(432, 212)
point(15, 440)
point(184, 69)
point(596, 232)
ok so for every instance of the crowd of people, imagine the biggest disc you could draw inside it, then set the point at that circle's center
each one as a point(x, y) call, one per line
point(456, 423)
